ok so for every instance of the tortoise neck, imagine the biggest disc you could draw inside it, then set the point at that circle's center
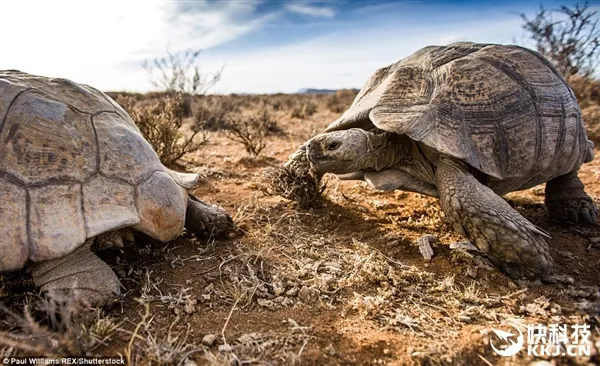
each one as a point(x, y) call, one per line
point(388, 150)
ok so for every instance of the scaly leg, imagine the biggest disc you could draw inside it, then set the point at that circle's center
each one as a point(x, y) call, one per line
point(205, 220)
point(510, 241)
point(80, 274)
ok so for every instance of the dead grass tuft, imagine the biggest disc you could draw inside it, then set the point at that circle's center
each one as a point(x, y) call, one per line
point(295, 180)
point(68, 328)
point(304, 189)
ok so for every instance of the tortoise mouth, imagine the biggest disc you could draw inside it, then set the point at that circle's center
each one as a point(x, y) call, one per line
point(316, 158)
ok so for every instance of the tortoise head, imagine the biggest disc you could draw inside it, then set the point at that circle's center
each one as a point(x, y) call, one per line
point(346, 151)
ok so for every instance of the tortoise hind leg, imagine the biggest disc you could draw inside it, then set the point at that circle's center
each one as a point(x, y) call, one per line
point(566, 200)
point(206, 220)
point(80, 274)
point(510, 241)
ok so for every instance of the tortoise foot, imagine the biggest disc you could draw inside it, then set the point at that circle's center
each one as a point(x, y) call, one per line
point(205, 220)
point(114, 239)
point(566, 200)
point(574, 210)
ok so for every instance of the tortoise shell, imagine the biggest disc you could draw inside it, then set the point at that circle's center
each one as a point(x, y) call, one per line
point(74, 165)
point(502, 109)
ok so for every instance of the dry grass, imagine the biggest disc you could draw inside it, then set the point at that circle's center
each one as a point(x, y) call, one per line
point(58, 327)
point(302, 188)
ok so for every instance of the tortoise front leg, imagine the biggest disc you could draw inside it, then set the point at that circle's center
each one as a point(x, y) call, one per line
point(510, 241)
point(206, 220)
point(80, 274)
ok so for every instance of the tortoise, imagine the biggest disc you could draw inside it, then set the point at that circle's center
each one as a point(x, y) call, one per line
point(467, 123)
point(74, 170)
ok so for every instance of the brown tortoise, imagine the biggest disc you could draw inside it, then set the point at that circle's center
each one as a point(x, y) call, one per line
point(75, 169)
point(467, 123)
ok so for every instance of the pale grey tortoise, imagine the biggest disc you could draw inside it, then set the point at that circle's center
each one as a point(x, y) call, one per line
point(74, 168)
point(467, 123)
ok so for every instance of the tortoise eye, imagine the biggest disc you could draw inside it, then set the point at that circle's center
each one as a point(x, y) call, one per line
point(333, 145)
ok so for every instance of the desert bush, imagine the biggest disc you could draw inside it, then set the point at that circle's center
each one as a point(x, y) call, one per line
point(591, 117)
point(212, 112)
point(277, 105)
point(568, 36)
point(587, 90)
point(179, 74)
point(160, 122)
point(334, 105)
point(304, 110)
point(250, 129)
point(341, 100)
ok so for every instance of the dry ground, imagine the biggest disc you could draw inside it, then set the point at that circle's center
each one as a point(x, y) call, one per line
point(341, 283)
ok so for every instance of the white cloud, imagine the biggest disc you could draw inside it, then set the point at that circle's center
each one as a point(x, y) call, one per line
point(345, 59)
point(311, 10)
point(90, 42)
point(103, 43)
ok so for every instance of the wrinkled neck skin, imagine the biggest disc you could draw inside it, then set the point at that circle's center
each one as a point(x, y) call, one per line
point(384, 151)
point(393, 151)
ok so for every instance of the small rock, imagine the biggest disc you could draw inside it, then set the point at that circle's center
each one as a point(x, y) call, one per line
point(278, 288)
point(189, 362)
point(425, 248)
point(292, 292)
point(249, 338)
point(283, 301)
point(190, 306)
point(327, 279)
point(464, 318)
point(225, 348)
point(463, 245)
point(308, 294)
point(269, 304)
point(209, 339)
point(472, 271)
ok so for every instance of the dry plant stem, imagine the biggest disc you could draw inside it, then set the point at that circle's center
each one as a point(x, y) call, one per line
point(227, 321)
point(129, 350)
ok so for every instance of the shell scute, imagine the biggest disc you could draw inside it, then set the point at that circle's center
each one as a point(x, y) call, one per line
point(56, 223)
point(503, 110)
point(14, 248)
point(124, 153)
point(108, 204)
point(45, 140)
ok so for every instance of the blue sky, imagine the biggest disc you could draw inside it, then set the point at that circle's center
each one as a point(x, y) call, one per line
point(264, 46)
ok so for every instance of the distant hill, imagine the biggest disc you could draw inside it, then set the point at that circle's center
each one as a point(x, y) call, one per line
point(316, 91)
